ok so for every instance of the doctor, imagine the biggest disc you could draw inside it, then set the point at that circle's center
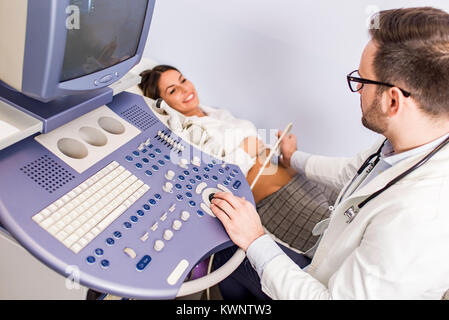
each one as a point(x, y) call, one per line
point(388, 235)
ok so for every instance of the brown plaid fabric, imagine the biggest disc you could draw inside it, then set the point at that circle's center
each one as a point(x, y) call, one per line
point(292, 212)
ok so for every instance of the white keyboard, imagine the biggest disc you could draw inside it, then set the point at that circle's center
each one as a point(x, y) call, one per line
point(83, 213)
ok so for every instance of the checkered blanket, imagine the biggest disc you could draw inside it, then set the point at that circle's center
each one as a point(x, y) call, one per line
point(292, 212)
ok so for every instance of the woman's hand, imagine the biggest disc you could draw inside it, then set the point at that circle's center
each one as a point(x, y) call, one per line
point(288, 148)
point(239, 218)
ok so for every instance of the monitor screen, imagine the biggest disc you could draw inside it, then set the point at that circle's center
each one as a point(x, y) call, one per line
point(107, 32)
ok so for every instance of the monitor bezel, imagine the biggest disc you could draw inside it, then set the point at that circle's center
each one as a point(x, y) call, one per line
point(45, 49)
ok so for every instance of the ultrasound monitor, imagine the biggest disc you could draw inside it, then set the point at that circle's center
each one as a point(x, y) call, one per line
point(56, 48)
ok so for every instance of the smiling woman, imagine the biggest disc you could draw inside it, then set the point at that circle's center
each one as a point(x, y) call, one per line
point(168, 83)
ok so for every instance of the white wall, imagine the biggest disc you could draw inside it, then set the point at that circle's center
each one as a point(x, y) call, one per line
point(273, 62)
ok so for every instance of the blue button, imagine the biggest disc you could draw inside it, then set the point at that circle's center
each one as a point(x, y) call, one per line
point(136, 153)
point(157, 150)
point(127, 225)
point(210, 165)
point(140, 213)
point(148, 173)
point(192, 203)
point(145, 160)
point(110, 241)
point(105, 264)
point(151, 155)
point(206, 176)
point(139, 165)
point(235, 171)
point(192, 181)
point(195, 169)
point(188, 194)
point(157, 196)
point(134, 219)
point(146, 207)
point(161, 162)
point(179, 197)
point(189, 187)
point(198, 178)
point(144, 151)
point(237, 184)
point(225, 183)
point(227, 168)
point(167, 157)
point(215, 178)
point(155, 167)
point(200, 213)
point(129, 158)
point(221, 170)
point(232, 174)
point(206, 169)
point(186, 173)
point(99, 252)
point(90, 259)
point(182, 178)
point(142, 264)
point(152, 202)
point(150, 146)
point(228, 178)
point(214, 162)
point(178, 186)
point(117, 234)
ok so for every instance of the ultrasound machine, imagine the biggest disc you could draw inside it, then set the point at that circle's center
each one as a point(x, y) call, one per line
point(93, 184)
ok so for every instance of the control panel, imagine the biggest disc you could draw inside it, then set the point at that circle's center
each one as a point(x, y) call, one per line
point(132, 222)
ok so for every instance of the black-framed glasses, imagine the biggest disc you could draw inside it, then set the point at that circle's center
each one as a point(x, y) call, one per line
point(356, 83)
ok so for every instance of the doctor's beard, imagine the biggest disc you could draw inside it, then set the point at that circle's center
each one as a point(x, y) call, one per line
point(373, 119)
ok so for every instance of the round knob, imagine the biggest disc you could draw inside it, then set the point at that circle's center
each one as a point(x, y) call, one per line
point(170, 175)
point(183, 163)
point(196, 161)
point(185, 215)
point(168, 187)
point(168, 234)
point(176, 225)
point(159, 245)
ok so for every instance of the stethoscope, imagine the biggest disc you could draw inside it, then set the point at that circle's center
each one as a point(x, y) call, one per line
point(371, 162)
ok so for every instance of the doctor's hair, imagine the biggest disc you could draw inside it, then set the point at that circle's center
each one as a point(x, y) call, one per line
point(150, 80)
point(413, 53)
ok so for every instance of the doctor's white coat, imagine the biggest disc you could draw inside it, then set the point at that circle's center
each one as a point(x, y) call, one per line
point(397, 246)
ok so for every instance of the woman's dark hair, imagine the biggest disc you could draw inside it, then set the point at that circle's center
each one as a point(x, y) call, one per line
point(413, 51)
point(150, 80)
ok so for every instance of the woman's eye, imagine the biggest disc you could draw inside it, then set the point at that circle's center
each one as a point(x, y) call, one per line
point(172, 91)
point(183, 80)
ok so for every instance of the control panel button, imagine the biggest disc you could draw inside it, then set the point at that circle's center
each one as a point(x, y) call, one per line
point(106, 78)
point(185, 215)
point(168, 187)
point(177, 272)
point(176, 225)
point(200, 187)
point(159, 245)
point(168, 234)
point(130, 253)
point(170, 175)
point(143, 263)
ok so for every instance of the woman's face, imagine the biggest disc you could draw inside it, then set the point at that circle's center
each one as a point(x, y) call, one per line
point(178, 92)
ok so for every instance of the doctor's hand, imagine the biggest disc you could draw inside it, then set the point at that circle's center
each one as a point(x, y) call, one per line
point(239, 218)
point(288, 148)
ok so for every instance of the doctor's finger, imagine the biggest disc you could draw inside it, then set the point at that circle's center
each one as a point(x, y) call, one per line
point(221, 215)
point(224, 206)
point(230, 198)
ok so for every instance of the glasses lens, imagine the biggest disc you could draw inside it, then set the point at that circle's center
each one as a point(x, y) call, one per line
point(355, 85)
